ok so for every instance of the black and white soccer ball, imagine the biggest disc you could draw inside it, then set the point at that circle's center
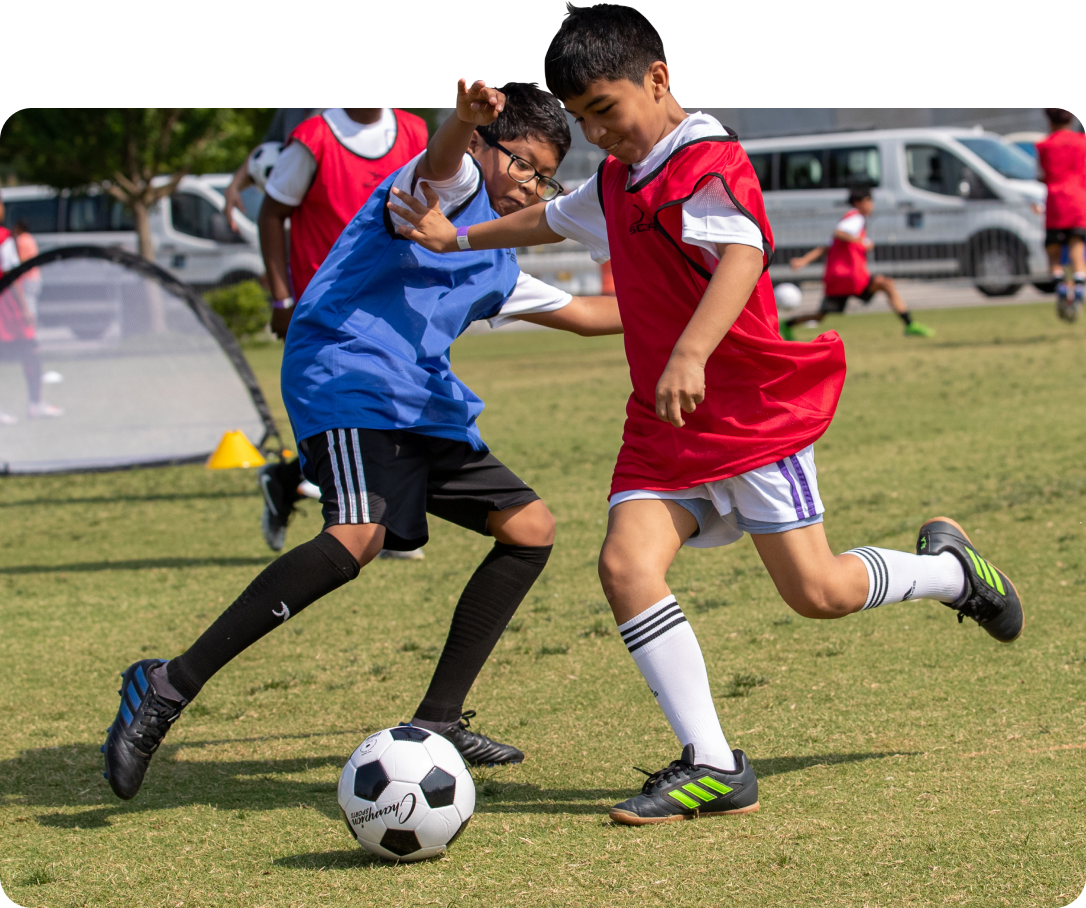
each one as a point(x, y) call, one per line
point(406, 794)
point(262, 160)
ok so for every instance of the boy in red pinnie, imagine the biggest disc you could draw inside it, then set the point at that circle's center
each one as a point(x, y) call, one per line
point(724, 413)
point(1062, 162)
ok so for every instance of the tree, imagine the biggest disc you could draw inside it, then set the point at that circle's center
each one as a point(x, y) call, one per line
point(124, 149)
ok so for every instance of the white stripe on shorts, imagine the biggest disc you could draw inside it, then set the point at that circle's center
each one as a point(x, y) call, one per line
point(361, 476)
point(346, 461)
point(335, 475)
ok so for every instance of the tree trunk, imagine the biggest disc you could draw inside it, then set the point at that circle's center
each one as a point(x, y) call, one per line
point(142, 216)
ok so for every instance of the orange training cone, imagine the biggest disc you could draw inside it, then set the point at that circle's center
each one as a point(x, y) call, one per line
point(235, 450)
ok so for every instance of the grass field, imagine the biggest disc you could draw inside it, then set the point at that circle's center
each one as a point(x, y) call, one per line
point(902, 759)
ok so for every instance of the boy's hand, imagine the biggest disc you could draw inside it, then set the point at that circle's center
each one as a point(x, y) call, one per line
point(478, 105)
point(797, 263)
point(681, 388)
point(431, 229)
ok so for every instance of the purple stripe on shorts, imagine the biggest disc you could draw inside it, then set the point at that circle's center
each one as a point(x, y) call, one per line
point(807, 497)
point(783, 466)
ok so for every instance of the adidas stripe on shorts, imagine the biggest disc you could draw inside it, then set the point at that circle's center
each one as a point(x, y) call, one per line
point(771, 499)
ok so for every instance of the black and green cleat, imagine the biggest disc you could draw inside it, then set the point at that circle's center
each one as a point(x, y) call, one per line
point(989, 598)
point(685, 790)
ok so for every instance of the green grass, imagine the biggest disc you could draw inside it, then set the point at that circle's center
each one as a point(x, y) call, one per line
point(903, 759)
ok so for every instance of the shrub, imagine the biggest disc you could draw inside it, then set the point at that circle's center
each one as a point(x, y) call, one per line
point(243, 306)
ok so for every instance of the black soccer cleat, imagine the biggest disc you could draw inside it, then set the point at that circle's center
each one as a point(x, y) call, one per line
point(477, 749)
point(141, 724)
point(989, 598)
point(685, 790)
point(280, 495)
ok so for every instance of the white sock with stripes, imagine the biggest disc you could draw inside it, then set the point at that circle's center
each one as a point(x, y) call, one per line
point(666, 651)
point(898, 576)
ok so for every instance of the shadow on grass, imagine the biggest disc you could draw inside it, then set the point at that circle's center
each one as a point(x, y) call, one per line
point(113, 499)
point(345, 859)
point(136, 564)
point(66, 778)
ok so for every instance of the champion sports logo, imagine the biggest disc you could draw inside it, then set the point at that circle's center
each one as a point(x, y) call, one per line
point(401, 809)
point(695, 789)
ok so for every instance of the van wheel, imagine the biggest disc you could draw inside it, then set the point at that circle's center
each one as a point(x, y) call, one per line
point(995, 258)
point(1045, 286)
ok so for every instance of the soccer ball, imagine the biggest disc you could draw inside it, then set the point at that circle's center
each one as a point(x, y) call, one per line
point(406, 794)
point(789, 296)
point(262, 160)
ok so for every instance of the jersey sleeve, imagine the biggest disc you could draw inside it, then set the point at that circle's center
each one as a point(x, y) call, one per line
point(578, 216)
point(853, 225)
point(710, 219)
point(292, 175)
point(530, 296)
point(451, 193)
point(9, 255)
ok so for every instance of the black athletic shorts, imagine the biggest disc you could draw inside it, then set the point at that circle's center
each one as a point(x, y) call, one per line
point(837, 303)
point(1064, 235)
point(396, 477)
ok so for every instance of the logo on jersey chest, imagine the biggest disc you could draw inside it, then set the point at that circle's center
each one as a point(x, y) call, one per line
point(637, 221)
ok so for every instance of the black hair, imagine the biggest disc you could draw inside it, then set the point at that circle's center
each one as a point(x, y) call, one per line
point(1057, 116)
point(858, 194)
point(21, 225)
point(605, 41)
point(529, 111)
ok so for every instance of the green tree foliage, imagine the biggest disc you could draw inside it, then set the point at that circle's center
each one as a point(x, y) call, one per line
point(125, 149)
point(243, 306)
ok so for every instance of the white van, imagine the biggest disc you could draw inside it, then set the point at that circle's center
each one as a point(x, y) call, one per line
point(192, 238)
point(948, 203)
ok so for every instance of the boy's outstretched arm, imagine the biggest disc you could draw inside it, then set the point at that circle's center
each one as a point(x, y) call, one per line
point(475, 106)
point(432, 230)
point(682, 386)
point(803, 261)
point(588, 316)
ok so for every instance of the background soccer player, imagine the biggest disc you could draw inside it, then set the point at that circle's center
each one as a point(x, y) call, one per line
point(330, 165)
point(846, 270)
point(1061, 159)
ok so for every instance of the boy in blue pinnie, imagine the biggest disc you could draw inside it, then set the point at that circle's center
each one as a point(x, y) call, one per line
point(388, 431)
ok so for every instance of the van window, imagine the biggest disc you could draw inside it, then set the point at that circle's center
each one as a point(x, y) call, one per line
point(852, 166)
point(801, 170)
point(97, 213)
point(39, 214)
point(937, 170)
point(763, 168)
point(1005, 159)
point(196, 216)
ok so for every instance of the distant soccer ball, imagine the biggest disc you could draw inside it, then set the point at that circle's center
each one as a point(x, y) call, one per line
point(406, 794)
point(789, 296)
point(262, 160)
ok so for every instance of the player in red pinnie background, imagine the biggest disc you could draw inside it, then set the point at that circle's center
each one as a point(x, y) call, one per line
point(724, 413)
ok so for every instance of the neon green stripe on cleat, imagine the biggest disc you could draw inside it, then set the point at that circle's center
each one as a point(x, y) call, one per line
point(699, 792)
point(979, 566)
point(718, 787)
point(687, 802)
point(995, 576)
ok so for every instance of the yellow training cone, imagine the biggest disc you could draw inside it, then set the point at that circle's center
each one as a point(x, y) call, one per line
point(234, 450)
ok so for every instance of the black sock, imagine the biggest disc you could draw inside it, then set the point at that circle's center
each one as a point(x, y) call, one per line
point(906, 317)
point(285, 587)
point(489, 600)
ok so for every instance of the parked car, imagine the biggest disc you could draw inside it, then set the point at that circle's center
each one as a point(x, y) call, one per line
point(192, 238)
point(948, 202)
point(1026, 141)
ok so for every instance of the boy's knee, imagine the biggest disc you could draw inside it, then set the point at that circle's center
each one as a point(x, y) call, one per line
point(619, 572)
point(530, 525)
point(817, 602)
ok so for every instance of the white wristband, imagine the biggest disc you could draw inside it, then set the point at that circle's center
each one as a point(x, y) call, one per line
point(462, 238)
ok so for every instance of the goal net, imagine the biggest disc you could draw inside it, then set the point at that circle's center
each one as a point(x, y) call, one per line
point(141, 369)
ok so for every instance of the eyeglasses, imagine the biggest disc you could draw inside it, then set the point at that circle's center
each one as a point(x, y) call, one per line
point(522, 171)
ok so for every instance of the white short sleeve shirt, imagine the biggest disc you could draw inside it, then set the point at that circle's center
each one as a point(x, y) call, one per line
point(710, 218)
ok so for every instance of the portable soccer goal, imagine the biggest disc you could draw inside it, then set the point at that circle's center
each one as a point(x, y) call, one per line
point(144, 372)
